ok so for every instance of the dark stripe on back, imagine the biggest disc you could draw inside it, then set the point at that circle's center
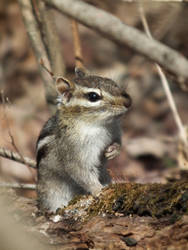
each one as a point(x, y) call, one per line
point(44, 133)
point(41, 153)
point(48, 128)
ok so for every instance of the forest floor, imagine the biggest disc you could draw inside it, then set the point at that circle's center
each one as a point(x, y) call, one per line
point(151, 152)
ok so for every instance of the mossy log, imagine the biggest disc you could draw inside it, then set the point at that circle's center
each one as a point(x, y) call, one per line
point(155, 200)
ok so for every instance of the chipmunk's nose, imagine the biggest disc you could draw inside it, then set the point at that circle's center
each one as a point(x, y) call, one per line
point(127, 100)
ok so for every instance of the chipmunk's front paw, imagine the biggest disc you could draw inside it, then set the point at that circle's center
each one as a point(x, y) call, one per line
point(112, 151)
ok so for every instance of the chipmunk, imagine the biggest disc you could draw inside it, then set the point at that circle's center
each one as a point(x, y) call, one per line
point(76, 142)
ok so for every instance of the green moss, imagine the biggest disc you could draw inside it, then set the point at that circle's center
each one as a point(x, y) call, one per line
point(155, 200)
point(75, 199)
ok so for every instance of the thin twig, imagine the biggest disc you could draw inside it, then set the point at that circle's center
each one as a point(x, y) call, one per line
point(17, 154)
point(47, 70)
point(165, 84)
point(6, 153)
point(7, 123)
point(54, 77)
point(113, 28)
point(18, 185)
point(77, 45)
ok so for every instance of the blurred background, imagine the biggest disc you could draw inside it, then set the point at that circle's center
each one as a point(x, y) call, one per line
point(150, 145)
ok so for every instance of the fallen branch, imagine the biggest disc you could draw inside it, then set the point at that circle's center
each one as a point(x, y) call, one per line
point(17, 185)
point(113, 28)
point(16, 157)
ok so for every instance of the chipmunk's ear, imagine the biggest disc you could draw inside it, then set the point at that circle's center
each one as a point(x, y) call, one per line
point(80, 72)
point(63, 85)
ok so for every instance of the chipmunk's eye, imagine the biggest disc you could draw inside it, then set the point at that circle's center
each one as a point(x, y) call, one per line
point(93, 96)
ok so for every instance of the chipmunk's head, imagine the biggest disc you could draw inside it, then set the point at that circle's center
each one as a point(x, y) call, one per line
point(91, 97)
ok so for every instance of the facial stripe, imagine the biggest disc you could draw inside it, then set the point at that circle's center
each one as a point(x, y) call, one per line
point(86, 90)
point(80, 98)
point(100, 92)
point(83, 102)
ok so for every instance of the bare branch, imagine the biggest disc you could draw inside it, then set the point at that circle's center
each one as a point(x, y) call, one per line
point(110, 26)
point(16, 157)
point(18, 185)
point(53, 44)
point(77, 45)
point(182, 132)
point(38, 47)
